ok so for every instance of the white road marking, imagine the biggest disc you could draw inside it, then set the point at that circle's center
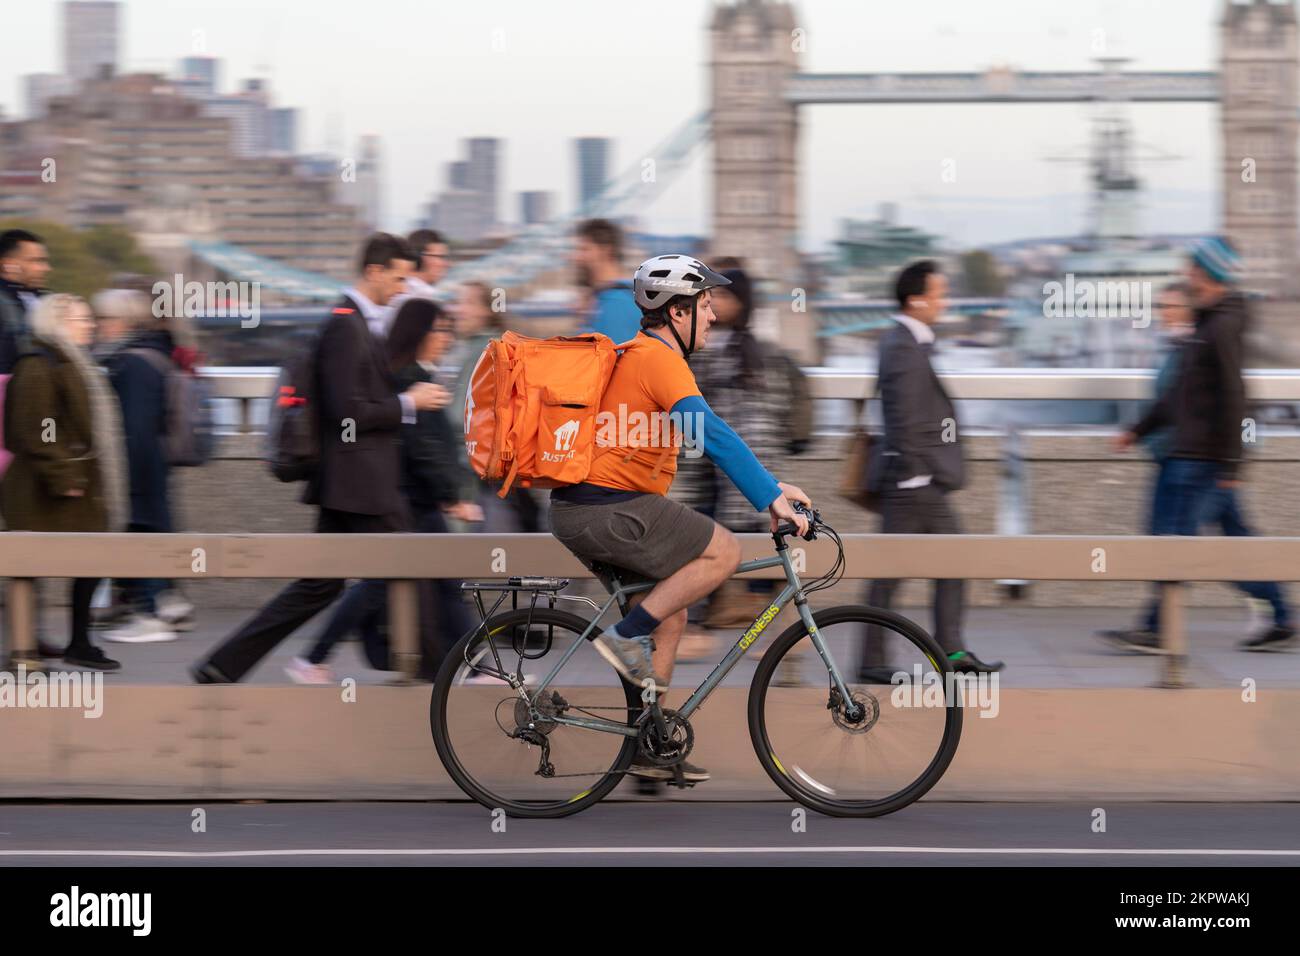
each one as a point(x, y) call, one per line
point(655, 850)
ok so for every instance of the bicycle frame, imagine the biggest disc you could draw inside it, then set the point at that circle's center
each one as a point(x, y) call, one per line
point(792, 590)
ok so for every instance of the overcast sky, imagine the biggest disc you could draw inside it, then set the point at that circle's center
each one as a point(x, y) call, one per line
point(424, 73)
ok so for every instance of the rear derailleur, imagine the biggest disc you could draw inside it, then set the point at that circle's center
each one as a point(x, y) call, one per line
point(533, 725)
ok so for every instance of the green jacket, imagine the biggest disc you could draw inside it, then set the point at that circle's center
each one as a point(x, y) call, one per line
point(48, 428)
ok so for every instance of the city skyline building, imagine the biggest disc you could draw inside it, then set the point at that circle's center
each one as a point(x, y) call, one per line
point(535, 206)
point(200, 76)
point(134, 150)
point(90, 37)
point(40, 88)
point(467, 209)
point(593, 157)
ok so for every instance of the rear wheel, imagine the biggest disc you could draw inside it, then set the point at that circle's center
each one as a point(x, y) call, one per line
point(864, 758)
point(504, 753)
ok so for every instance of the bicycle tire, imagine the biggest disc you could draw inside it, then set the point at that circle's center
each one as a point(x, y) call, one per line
point(762, 682)
point(443, 684)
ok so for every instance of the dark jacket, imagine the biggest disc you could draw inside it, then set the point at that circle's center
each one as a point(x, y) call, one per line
point(48, 427)
point(14, 325)
point(432, 473)
point(918, 415)
point(142, 390)
point(1207, 402)
point(360, 420)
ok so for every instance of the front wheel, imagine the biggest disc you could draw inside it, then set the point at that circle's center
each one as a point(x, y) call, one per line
point(871, 755)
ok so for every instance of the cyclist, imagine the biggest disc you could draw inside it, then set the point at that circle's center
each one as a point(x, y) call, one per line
point(620, 516)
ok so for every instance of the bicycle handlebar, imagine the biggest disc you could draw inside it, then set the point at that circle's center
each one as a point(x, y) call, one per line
point(789, 529)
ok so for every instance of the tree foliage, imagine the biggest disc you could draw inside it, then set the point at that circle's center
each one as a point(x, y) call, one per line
point(84, 261)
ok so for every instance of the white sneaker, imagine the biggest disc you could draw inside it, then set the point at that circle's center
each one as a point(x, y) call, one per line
point(303, 671)
point(175, 610)
point(140, 629)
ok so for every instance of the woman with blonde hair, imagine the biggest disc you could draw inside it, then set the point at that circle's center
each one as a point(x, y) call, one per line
point(61, 423)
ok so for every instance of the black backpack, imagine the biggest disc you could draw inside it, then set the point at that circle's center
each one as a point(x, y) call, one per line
point(293, 428)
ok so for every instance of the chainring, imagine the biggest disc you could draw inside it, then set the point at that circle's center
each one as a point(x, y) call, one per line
point(666, 753)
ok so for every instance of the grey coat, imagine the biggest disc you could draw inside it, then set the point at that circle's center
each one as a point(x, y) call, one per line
point(921, 436)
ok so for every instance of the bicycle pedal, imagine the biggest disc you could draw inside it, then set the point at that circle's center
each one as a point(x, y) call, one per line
point(679, 779)
point(646, 787)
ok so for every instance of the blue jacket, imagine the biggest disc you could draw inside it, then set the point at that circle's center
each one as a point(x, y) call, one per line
point(142, 391)
point(615, 313)
point(1157, 442)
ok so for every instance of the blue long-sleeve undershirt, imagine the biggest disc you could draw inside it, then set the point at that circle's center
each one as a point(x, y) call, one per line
point(729, 452)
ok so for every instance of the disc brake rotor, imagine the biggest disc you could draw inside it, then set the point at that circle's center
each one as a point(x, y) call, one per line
point(869, 713)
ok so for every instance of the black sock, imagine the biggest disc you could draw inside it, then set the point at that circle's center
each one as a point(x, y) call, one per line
point(637, 624)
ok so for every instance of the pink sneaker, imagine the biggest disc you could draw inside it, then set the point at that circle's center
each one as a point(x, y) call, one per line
point(302, 671)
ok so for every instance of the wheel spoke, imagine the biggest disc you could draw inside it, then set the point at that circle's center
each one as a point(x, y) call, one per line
point(492, 743)
point(859, 768)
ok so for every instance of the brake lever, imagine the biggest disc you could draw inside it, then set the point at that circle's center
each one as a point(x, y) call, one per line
point(814, 519)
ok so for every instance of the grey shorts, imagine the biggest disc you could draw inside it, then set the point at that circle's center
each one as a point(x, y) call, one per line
point(647, 538)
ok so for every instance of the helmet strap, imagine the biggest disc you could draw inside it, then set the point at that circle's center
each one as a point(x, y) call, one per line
point(687, 350)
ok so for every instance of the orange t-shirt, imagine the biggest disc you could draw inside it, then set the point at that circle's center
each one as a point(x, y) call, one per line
point(649, 379)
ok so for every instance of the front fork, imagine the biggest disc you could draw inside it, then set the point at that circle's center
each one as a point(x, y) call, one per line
point(853, 711)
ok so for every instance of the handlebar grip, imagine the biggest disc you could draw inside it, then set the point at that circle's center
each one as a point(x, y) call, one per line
point(791, 530)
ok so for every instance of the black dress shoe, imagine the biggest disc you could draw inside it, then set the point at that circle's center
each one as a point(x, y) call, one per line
point(47, 650)
point(965, 662)
point(207, 673)
point(877, 675)
point(1274, 639)
point(90, 657)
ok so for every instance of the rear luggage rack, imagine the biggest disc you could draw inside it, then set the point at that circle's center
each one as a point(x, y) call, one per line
point(517, 584)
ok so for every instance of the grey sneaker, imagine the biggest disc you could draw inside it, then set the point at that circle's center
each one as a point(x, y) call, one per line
point(630, 656)
point(649, 772)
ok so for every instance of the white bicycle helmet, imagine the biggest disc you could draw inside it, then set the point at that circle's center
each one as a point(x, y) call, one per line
point(657, 280)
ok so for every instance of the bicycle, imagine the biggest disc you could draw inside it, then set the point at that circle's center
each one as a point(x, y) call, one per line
point(551, 749)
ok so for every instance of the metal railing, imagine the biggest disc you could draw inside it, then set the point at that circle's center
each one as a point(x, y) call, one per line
point(402, 559)
point(248, 386)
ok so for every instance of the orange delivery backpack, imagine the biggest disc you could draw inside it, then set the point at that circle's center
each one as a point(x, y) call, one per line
point(531, 406)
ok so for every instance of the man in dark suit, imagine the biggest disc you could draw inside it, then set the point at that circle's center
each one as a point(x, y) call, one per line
point(357, 483)
point(24, 267)
point(918, 461)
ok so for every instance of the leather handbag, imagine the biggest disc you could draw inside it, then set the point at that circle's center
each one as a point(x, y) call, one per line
point(855, 480)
